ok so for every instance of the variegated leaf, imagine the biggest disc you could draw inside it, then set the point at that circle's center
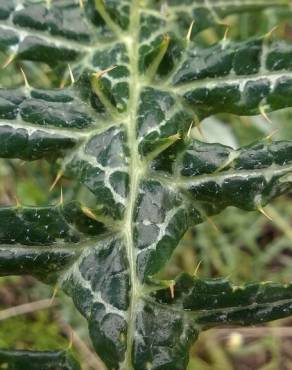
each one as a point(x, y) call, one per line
point(123, 130)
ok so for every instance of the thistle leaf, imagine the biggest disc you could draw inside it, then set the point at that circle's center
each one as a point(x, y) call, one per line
point(19, 360)
point(250, 304)
point(123, 129)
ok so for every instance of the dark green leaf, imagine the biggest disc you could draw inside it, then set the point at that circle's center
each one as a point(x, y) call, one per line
point(23, 360)
point(139, 83)
point(217, 302)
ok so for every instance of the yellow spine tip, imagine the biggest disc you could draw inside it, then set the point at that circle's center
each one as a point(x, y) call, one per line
point(189, 34)
point(57, 179)
point(171, 289)
point(17, 202)
point(271, 135)
point(264, 114)
point(263, 212)
point(99, 74)
point(197, 268)
point(175, 137)
point(61, 202)
point(55, 292)
point(268, 35)
point(88, 212)
point(25, 79)
point(71, 75)
point(212, 223)
point(166, 38)
point(190, 130)
point(226, 33)
point(8, 61)
point(71, 339)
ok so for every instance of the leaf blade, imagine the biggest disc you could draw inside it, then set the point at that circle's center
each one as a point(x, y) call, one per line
point(20, 360)
point(217, 302)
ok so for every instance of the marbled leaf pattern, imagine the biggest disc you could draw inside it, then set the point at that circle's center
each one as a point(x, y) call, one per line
point(122, 129)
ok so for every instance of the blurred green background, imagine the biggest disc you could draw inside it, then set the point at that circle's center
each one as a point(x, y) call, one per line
point(239, 245)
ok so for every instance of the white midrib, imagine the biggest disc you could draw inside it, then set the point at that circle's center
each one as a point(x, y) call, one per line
point(135, 173)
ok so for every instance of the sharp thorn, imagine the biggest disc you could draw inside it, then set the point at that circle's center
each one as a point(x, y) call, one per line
point(166, 39)
point(162, 50)
point(197, 268)
point(61, 197)
point(225, 37)
point(171, 288)
point(55, 292)
point(190, 130)
point(262, 211)
point(8, 61)
point(270, 136)
point(62, 83)
point(25, 79)
point(212, 223)
point(71, 75)
point(17, 202)
point(88, 212)
point(233, 155)
point(57, 179)
point(71, 339)
point(264, 114)
point(189, 34)
point(270, 33)
point(175, 137)
point(99, 74)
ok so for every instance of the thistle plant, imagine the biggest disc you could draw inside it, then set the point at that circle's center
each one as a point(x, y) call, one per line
point(123, 128)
